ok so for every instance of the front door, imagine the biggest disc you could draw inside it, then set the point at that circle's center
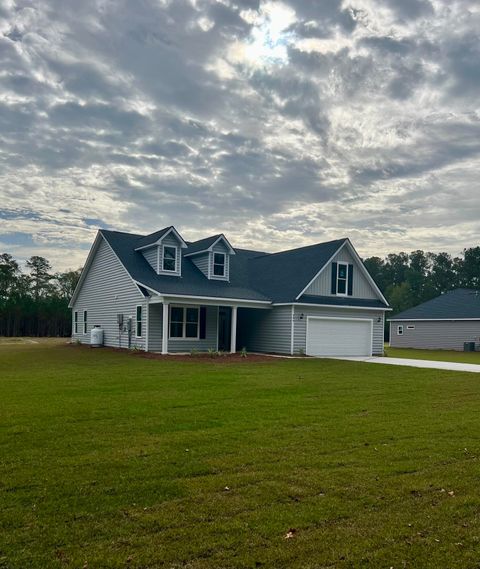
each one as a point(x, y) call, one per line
point(224, 328)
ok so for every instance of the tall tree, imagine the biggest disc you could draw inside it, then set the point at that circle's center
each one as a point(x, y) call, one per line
point(40, 276)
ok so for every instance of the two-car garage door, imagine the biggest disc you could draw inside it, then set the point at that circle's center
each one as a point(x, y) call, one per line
point(339, 336)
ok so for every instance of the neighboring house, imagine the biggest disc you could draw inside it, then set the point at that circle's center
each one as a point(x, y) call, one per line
point(160, 293)
point(444, 323)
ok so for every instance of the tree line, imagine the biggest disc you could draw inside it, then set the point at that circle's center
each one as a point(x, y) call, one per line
point(408, 279)
point(35, 302)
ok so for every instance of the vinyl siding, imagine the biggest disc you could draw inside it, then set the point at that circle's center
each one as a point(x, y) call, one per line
point(441, 335)
point(171, 241)
point(155, 328)
point(220, 248)
point(201, 262)
point(265, 330)
point(300, 325)
point(151, 255)
point(107, 291)
point(322, 285)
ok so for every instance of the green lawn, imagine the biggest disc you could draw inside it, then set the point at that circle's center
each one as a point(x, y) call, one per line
point(437, 355)
point(109, 459)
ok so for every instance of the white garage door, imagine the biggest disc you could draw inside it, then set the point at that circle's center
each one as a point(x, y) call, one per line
point(339, 337)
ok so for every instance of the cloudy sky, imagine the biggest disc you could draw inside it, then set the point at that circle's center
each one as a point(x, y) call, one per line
point(278, 123)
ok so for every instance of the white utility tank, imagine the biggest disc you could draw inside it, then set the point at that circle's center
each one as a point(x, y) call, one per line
point(96, 337)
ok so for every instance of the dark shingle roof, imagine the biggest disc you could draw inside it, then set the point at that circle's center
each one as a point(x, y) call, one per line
point(459, 303)
point(201, 245)
point(341, 301)
point(150, 239)
point(254, 275)
point(282, 276)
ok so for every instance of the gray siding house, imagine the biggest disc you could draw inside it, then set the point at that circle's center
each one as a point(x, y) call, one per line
point(443, 323)
point(163, 294)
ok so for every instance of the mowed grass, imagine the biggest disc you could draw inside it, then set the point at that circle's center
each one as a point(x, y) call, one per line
point(436, 355)
point(112, 460)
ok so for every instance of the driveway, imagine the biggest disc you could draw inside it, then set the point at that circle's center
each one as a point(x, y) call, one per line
point(451, 366)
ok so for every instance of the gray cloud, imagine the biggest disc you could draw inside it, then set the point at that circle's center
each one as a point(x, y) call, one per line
point(138, 115)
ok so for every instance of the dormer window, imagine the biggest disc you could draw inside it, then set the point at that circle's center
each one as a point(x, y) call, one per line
point(169, 259)
point(342, 276)
point(219, 262)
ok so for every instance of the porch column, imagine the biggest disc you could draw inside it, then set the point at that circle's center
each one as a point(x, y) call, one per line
point(233, 333)
point(165, 328)
point(147, 322)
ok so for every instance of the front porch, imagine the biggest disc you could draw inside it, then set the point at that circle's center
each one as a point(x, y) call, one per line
point(195, 324)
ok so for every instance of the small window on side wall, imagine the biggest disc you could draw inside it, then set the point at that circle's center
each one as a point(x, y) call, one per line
point(138, 322)
point(342, 278)
point(400, 330)
point(169, 259)
point(75, 322)
point(85, 320)
point(219, 262)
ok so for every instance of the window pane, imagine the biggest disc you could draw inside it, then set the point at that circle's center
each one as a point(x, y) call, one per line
point(169, 252)
point(139, 312)
point(85, 316)
point(219, 270)
point(169, 258)
point(342, 286)
point(139, 328)
point(342, 271)
point(168, 264)
point(176, 329)
point(191, 330)
point(192, 314)
point(176, 314)
point(219, 258)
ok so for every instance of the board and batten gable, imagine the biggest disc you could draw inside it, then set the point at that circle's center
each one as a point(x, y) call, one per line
point(301, 314)
point(322, 285)
point(434, 334)
point(107, 290)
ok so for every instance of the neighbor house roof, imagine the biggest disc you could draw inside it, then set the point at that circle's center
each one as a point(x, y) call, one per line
point(457, 304)
point(254, 275)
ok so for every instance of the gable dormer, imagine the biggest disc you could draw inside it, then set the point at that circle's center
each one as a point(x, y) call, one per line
point(163, 251)
point(212, 257)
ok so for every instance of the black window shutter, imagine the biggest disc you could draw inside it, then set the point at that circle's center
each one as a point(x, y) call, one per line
point(334, 278)
point(203, 322)
point(350, 280)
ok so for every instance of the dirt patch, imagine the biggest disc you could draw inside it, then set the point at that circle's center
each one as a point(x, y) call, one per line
point(199, 357)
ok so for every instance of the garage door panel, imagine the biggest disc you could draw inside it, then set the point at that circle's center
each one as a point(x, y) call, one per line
point(339, 337)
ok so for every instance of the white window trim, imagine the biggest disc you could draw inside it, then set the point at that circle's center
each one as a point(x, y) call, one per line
point(184, 323)
point(411, 327)
point(85, 322)
point(75, 322)
point(346, 279)
point(400, 330)
point(224, 255)
point(137, 321)
point(162, 270)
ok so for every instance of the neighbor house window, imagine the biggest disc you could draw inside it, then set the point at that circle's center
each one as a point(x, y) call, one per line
point(400, 330)
point(75, 321)
point(219, 264)
point(84, 321)
point(184, 321)
point(169, 259)
point(138, 322)
point(342, 275)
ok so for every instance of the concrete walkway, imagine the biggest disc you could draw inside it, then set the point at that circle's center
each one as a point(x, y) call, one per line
point(451, 366)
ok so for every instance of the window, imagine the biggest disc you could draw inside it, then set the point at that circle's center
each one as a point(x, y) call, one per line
point(219, 260)
point(84, 321)
point(75, 322)
point(184, 322)
point(400, 330)
point(169, 259)
point(138, 322)
point(342, 275)
point(411, 327)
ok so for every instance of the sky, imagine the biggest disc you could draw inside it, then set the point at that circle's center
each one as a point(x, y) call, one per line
point(280, 124)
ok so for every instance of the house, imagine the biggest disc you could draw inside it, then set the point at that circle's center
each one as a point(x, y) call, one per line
point(443, 323)
point(161, 293)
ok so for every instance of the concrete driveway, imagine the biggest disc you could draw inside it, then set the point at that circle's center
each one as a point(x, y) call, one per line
point(451, 366)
